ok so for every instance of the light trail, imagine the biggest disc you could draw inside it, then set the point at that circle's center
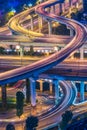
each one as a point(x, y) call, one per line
point(45, 64)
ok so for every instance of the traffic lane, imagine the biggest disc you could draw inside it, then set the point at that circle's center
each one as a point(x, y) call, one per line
point(56, 116)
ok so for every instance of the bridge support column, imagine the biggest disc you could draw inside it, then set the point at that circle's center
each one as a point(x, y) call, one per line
point(50, 27)
point(54, 9)
point(77, 5)
point(33, 91)
point(41, 85)
point(28, 94)
point(71, 31)
point(32, 26)
point(82, 53)
point(60, 8)
point(70, 3)
point(86, 87)
point(4, 97)
point(80, 1)
point(63, 7)
point(40, 23)
point(49, 9)
point(72, 55)
point(56, 85)
point(21, 53)
point(51, 87)
point(82, 91)
point(21, 50)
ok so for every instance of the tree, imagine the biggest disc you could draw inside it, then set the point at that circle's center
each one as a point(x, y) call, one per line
point(31, 123)
point(79, 16)
point(2, 50)
point(73, 15)
point(19, 103)
point(66, 117)
point(10, 127)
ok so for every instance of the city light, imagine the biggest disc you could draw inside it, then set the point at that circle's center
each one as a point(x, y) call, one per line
point(37, 74)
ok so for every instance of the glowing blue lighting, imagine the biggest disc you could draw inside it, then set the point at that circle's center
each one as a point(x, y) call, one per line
point(31, 2)
point(30, 5)
point(13, 10)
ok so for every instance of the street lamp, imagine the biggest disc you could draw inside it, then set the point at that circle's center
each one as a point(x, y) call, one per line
point(55, 48)
point(54, 28)
point(20, 49)
point(17, 47)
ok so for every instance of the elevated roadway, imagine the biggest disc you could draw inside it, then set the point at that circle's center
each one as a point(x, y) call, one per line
point(37, 68)
point(40, 66)
point(26, 41)
point(74, 70)
point(47, 118)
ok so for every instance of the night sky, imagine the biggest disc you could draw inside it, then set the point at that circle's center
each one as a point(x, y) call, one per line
point(7, 4)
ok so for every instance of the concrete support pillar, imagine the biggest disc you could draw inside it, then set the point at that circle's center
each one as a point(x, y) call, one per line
point(48, 9)
point(82, 53)
point(63, 7)
point(80, 1)
point(72, 55)
point(4, 97)
point(50, 27)
point(28, 94)
point(56, 85)
point(32, 26)
point(77, 5)
point(86, 88)
point(33, 91)
point(41, 85)
point(60, 8)
point(53, 9)
point(71, 31)
point(82, 91)
point(51, 87)
point(21, 51)
point(40, 22)
point(70, 3)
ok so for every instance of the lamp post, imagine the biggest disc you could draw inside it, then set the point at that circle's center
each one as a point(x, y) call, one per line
point(55, 25)
point(20, 49)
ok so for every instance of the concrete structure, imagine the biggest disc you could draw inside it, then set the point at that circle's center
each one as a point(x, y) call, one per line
point(49, 27)
point(82, 91)
point(33, 91)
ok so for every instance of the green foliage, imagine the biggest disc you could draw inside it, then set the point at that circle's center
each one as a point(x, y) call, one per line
point(19, 103)
point(19, 112)
point(66, 117)
point(10, 127)
point(31, 123)
point(2, 50)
